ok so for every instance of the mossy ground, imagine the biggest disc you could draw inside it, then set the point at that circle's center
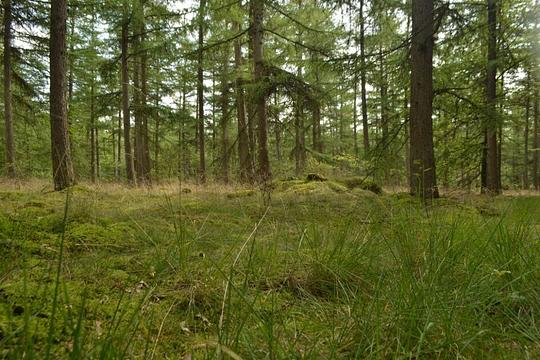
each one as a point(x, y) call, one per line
point(323, 272)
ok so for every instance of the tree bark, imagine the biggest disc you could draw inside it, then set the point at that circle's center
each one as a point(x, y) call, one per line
point(384, 106)
point(525, 176)
point(8, 112)
point(355, 116)
point(536, 142)
point(125, 102)
point(146, 165)
point(264, 173)
point(423, 174)
point(91, 130)
point(157, 136)
point(316, 113)
point(244, 157)
point(63, 174)
point(225, 117)
point(317, 140)
point(365, 125)
point(200, 93)
point(139, 164)
point(299, 149)
point(492, 164)
point(277, 128)
point(118, 158)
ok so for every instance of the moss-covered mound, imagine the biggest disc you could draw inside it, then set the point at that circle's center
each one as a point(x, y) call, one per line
point(362, 183)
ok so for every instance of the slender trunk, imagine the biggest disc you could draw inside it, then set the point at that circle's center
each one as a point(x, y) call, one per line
point(118, 158)
point(277, 128)
point(91, 130)
point(125, 102)
point(63, 174)
point(316, 113)
point(244, 157)
point(355, 116)
point(214, 122)
point(407, 135)
point(299, 151)
point(138, 117)
point(536, 141)
point(383, 93)
point(250, 104)
point(8, 113)
point(340, 123)
point(365, 125)
point(225, 118)
point(113, 133)
point(200, 93)
point(317, 141)
point(96, 138)
point(157, 136)
point(264, 173)
point(525, 178)
point(492, 166)
point(406, 96)
point(144, 113)
point(423, 175)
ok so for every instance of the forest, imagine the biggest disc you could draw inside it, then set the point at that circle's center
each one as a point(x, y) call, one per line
point(270, 179)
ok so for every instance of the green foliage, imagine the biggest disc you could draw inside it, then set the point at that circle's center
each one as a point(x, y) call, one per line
point(362, 183)
point(386, 275)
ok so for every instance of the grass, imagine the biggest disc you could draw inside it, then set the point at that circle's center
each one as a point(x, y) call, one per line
point(323, 272)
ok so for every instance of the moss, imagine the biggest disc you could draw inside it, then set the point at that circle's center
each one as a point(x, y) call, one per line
point(315, 177)
point(336, 187)
point(283, 185)
point(362, 183)
point(85, 234)
point(315, 188)
point(241, 194)
point(119, 276)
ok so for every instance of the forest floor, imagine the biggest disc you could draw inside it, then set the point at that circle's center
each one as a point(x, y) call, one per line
point(324, 272)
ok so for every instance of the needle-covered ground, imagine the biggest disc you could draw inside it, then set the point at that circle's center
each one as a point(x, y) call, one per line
point(326, 270)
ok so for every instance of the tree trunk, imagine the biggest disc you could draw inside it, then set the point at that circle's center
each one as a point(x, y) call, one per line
point(316, 113)
point(146, 166)
point(200, 93)
point(525, 177)
point(384, 105)
point(125, 102)
point(139, 164)
point(225, 118)
point(91, 130)
point(317, 140)
point(492, 164)
point(406, 96)
point(299, 151)
point(365, 125)
point(118, 158)
point(8, 113)
point(63, 174)
point(355, 116)
point(264, 173)
point(96, 137)
point(423, 175)
point(536, 142)
point(244, 157)
point(157, 136)
point(277, 128)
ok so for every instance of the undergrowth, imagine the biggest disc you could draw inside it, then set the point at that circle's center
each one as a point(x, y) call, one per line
point(324, 272)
